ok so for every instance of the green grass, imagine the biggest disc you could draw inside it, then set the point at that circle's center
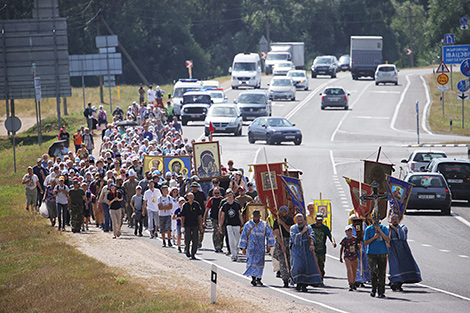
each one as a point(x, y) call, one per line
point(438, 121)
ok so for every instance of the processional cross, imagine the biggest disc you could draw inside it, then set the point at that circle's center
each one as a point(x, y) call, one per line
point(376, 197)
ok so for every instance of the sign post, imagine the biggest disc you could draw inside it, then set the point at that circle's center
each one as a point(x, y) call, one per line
point(189, 66)
point(442, 80)
point(213, 283)
point(417, 120)
point(13, 124)
point(463, 86)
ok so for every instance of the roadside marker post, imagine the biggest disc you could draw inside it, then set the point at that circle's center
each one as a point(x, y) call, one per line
point(213, 283)
point(417, 119)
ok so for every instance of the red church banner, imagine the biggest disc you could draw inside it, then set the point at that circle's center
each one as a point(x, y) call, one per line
point(264, 188)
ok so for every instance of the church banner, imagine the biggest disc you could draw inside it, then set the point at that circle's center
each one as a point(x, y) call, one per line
point(294, 189)
point(324, 207)
point(264, 188)
point(399, 192)
point(362, 207)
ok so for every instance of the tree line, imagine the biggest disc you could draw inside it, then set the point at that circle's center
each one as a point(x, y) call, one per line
point(161, 34)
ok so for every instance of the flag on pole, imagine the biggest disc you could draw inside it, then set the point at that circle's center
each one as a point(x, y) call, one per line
point(324, 207)
point(362, 207)
point(399, 192)
point(211, 127)
point(293, 187)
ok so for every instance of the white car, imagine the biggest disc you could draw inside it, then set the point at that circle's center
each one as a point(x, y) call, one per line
point(283, 68)
point(225, 118)
point(386, 73)
point(300, 78)
point(217, 95)
point(210, 84)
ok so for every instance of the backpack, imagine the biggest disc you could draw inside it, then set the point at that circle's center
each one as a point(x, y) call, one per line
point(103, 116)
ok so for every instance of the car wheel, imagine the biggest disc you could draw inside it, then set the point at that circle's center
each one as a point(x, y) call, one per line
point(233, 87)
point(376, 83)
point(446, 211)
point(396, 83)
point(184, 121)
point(238, 132)
point(269, 140)
point(251, 139)
point(298, 141)
point(306, 88)
point(314, 76)
point(292, 99)
point(322, 107)
point(333, 76)
point(346, 107)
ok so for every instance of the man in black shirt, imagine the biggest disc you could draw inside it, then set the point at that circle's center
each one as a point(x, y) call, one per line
point(282, 251)
point(199, 197)
point(213, 207)
point(191, 220)
point(231, 214)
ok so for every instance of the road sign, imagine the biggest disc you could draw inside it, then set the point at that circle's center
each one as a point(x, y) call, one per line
point(442, 88)
point(463, 21)
point(463, 96)
point(189, 63)
point(462, 85)
point(465, 67)
point(264, 55)
point(449, 39)
point(442, 79)
point(13, 124)
point(455, 54)
point(442, 68)
point(409, 52)
point(463, 27)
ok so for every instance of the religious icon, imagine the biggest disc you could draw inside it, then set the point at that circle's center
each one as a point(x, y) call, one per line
point(207, 159)
point(267, 181)
point(397, 192)
point(180, 165)
point(154, 162)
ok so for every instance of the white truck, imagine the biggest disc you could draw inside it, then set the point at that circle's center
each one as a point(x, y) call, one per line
point(285, 51)
point(366, 55)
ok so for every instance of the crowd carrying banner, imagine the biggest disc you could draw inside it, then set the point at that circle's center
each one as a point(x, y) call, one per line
point(362, 207)
point(324, 207)
point(294, 189)
point(264, 188)
point(399, 192)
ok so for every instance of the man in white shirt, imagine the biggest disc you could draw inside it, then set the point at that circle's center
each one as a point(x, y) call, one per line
point(31, 181)
point(165, 205)
point(150, 95)
point(151, 197)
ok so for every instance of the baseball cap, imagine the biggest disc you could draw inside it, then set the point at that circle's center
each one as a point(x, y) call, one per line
point(195, 184)
point(349, 227)
point(319, 216)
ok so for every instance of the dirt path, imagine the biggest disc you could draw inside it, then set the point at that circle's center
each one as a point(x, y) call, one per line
point(160, 270)
point(26, 123)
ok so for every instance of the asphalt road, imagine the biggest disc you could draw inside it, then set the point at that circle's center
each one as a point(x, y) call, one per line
point(334, 143)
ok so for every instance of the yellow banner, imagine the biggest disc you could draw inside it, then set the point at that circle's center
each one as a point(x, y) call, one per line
point(324, 207)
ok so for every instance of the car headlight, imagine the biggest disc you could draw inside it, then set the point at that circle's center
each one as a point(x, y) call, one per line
point(292, 89)
point(232, 123)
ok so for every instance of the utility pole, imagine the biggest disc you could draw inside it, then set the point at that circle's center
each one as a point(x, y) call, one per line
point(98, 33)
point(268, 37)
point(410, 26)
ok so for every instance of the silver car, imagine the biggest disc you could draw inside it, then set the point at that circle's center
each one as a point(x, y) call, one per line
point(300, 79)
point(254, 103)
point(386, 73)
point(281, 87)
point(419, 159)
point(283, 68)
point(225, 118)
point(334, 97)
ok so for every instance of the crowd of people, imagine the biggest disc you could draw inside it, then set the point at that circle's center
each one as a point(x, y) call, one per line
point(107, 184)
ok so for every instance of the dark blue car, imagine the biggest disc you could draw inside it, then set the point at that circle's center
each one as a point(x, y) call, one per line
point(273, 130)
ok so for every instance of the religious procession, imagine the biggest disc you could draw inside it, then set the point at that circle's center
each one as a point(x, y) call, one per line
point(139, 170)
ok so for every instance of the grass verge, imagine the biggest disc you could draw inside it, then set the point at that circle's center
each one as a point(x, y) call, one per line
point(439, 120)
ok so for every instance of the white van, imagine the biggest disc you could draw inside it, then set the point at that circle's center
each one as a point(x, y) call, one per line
point(246, 70)
point(180, 88)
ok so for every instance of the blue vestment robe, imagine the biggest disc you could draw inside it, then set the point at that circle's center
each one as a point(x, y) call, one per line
point(403, 267)
point(304, 267)
point(254, 238)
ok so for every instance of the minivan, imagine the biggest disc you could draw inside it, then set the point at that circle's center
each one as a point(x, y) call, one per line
point(456, 173)
point(246, 70)
point(181, 87)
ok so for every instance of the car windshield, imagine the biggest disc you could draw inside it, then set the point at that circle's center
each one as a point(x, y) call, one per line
point(323, 60)
point(281, 82)
point(297, 74)
point(428, 156)
point(179, 92)
point(427, 181)
point(277, 56)
point(252, 98)
point(284, 65)
point(344, 59)
point(196, 99)
point(454, 168)
point(244, 66)
point(279, 122)
point(222, 112)
point(217, 95)
point(386, 69)
point(334, 91)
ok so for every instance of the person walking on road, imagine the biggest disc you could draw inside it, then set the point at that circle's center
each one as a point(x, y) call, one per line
point(61, 194)
point(31, 181)
point(191, 221)
point(304, 264)
point(350, 247)
point(77, 197)
point(402, 266)
point(165, 206)
point(377, 241)
point(257, 238)
point(282, 248)
point(137, 204)
point(321, 233)
point(231, 214)
point(114, 200)
point(212, 210)
point(151, 197)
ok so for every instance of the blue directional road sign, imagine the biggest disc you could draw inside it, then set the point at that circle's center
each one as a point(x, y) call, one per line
point(455, 54)
point(449, 39)
point(462, 86)
point(463, 21)
point(465, 67)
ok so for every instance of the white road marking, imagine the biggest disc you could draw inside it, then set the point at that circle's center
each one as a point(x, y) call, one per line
point(287, 293)
point(461, 219)
point(373, 117)
point(397, 108)
point(383, 91)
point(347, 113)
point(424, 119)
point(425, 245)
point(463, 256)
point(333, 162)
point(444, 250)
point(411, 240)
point(307, 99)
point(444, 291)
